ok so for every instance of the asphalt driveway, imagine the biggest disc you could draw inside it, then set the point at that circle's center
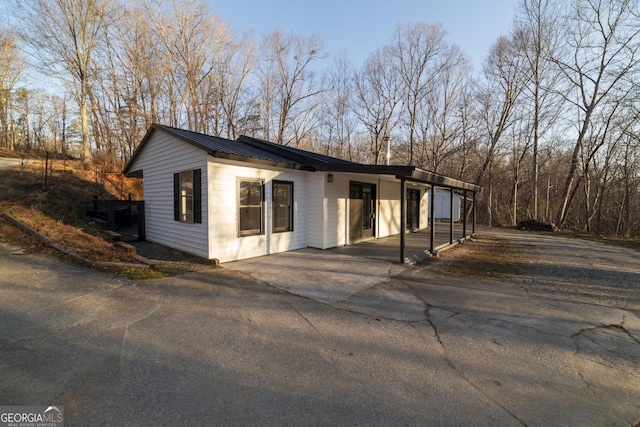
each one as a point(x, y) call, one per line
point(307, 339)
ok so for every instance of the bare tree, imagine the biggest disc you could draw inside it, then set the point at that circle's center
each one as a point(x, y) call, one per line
point(234, 67)
point(189, 34)
point(520, 135)
point(11, 67)
point(65, 35)
point(537, 37)
point(497, 96)
point(289, 90)
point(503, 84)
point(600, 65)
point(442, 132)
point(628, 175)
point(133, 78)
point(379, 99)
point(417, 49)
point(338, 121)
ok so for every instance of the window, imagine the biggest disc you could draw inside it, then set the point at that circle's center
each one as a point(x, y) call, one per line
point(187, 196)
point(282, 206)
point(250, 207)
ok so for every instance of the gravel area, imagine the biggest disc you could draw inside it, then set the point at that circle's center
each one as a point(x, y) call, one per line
point(172, 260)
point(576, 269)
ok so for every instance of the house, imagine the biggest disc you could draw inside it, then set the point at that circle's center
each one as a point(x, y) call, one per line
point(231, 200)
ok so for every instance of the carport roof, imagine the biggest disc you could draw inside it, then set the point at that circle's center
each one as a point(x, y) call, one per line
point(258, 151)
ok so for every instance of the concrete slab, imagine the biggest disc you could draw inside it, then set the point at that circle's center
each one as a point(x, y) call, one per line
point(323, 276)
point(417, 244)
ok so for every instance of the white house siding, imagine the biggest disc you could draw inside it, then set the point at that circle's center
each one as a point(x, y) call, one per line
point(443, 204)
point(329, 214)
point(224, 242)
point(388, 208)
point(316, 206)
point(163, 156)
point(336, 201)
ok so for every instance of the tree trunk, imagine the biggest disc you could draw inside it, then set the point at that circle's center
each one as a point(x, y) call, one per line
point(84, 119)
point(569, 190)
point(534, 160)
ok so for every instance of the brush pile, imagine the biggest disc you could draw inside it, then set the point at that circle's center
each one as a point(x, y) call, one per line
point(535, 225)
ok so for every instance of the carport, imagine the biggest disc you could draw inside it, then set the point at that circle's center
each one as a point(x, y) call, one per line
point(412, 245)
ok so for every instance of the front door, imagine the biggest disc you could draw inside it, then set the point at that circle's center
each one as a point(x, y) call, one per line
point(413, 209)
point(362, 211)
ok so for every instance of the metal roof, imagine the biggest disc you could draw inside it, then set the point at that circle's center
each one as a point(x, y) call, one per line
point(310, 158)
point(258, 151)
point(218, 146)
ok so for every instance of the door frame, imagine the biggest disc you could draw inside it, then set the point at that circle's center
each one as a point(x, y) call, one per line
point(413, 214)
point(362, 219)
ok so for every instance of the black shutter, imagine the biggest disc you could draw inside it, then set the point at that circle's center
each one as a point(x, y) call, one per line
point(197, 196)
point(176, 196)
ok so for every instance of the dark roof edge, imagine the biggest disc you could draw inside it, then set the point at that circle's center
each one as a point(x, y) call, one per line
point(255, 161)
point(275, 149)
point(216, 154)
point(444, 181)
point(410, 173)
point(146, 137)
point(306, 163)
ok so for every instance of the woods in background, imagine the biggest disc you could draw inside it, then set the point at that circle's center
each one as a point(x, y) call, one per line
point(549, 127)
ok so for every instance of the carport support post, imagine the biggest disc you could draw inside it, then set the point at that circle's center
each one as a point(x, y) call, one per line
point(111, 215)
point(141, 230)
point(473, 214)
point(451, 217)
point(464, 214)
point(432, 218)
point(403, 219)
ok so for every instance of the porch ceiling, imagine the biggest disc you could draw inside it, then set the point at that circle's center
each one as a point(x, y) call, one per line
point(409, 173)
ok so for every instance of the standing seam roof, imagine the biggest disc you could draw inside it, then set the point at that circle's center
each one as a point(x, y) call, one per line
point(262, 151)
point(213, 144)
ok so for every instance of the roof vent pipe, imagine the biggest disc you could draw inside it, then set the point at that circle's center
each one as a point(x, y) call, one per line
point(387, 141)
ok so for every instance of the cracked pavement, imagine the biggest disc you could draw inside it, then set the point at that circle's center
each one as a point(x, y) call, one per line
point(319, 338)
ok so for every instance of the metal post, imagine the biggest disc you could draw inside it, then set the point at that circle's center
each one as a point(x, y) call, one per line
point(111, 215)
point(464, 214)
point(473, 214)
point(141, 229)
point(451, 217)
point(129, 211)
point(432, 218)
point(403, 219)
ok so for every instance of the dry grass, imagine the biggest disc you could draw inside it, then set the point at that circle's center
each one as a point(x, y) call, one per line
point(58, 210)
point(480, 257)
point(621, 241)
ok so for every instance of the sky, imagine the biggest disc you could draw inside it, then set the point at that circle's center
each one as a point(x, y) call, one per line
point(359, 27)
